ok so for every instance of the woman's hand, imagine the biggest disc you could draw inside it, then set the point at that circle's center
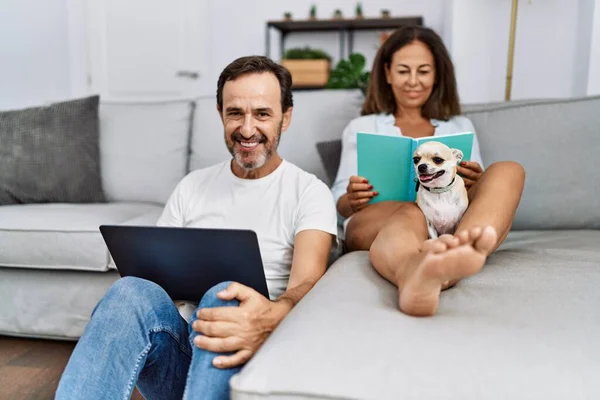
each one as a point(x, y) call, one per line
point(470, 171)
point(359, 193)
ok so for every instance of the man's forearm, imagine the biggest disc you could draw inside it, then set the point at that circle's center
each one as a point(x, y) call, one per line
point(284, 303)
point(294, 295)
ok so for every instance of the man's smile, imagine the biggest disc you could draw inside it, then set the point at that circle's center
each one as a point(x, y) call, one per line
point(249, 146)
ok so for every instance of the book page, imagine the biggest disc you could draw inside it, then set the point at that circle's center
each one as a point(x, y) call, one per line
point(386, 161)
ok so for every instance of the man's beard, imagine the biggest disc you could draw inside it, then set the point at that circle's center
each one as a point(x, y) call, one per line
point(260, 159)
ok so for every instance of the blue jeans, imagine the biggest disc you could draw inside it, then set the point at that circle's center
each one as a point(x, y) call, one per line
point(137, 337)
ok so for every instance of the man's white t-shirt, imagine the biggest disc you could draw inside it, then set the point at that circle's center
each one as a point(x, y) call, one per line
point(276, 207)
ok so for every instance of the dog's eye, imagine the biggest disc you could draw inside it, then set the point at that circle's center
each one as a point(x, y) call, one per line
point(438, 160)
point(416, 159)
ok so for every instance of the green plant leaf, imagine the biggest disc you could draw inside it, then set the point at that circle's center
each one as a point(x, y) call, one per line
point(306, 53)
point(349, 74)
point(358, 63)
point(358, 60)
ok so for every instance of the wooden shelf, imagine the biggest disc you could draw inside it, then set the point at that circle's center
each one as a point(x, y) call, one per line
point(306, 88)
point(345, 27)
point(321, 25)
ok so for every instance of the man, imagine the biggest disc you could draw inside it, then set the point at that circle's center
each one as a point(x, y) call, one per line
point(136, 335)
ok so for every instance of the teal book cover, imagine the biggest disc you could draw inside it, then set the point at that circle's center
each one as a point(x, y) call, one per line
point(386, 161)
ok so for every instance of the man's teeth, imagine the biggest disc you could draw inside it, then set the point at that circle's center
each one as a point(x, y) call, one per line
point(250, 144)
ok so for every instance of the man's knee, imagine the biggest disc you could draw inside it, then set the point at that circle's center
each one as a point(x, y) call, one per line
point(212, 292)
point(210, 298)
point(131, 286)
point(130, 292)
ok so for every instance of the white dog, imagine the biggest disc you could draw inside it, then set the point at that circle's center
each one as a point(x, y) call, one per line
point(441, 193)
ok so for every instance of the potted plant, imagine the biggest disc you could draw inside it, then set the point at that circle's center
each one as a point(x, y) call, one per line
point(385, 13)
point(309, 67)
point(313, 12)
point(359, 11)
point(337, 14)
point(287, 16)
point(350, 74)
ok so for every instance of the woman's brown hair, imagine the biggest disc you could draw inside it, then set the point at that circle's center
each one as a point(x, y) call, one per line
point(442, 104)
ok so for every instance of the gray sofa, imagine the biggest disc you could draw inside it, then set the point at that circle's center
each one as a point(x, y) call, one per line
point(525, 327)
point(54, 265)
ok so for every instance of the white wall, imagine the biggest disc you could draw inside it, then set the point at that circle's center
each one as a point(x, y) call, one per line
point(550, 51)
point(545, 52)
point(243, 32)
point(34, 54)
point(545, 49)
point(478, 46)
point(581, 62)
point(77, 44)
point(557, 54)
point(594, 69)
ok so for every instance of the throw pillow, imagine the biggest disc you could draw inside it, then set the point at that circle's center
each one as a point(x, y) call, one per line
point(50, 154)
point(330, 153)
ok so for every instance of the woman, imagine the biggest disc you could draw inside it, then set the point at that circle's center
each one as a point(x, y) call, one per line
point(413, 92)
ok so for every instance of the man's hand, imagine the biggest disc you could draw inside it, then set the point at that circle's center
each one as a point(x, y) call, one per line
point(241, 329)
point(471, 171)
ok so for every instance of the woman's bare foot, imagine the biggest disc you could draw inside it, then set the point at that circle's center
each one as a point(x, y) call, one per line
point(443, 260)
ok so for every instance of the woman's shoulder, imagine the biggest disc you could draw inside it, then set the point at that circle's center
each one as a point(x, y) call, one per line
point(374, 123)
point(370, 120)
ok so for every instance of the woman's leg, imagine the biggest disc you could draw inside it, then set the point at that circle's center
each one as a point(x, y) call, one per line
point(494, 199)
point(400, 252)
point(366, 224)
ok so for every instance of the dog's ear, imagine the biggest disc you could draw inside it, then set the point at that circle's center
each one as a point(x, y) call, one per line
point(457, 154)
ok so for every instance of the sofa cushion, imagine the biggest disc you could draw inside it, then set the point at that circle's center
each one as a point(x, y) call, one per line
point(49, 304)
point(50, 154)
point(144, 149)
point(317, 116)
point(556, 142)
point(526, 325)
point(330, 153)
point(63, 236)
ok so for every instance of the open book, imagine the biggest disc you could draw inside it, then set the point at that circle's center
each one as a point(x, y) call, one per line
point(386, 161)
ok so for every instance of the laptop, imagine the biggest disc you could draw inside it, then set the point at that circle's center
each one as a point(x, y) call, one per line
point(186, 262)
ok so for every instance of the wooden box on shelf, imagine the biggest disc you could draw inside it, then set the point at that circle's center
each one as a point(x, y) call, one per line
point(308, 73)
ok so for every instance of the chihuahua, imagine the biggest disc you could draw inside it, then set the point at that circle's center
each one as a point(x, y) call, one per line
point(441, 192)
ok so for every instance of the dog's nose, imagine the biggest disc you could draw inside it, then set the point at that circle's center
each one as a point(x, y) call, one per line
point(423, 168)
